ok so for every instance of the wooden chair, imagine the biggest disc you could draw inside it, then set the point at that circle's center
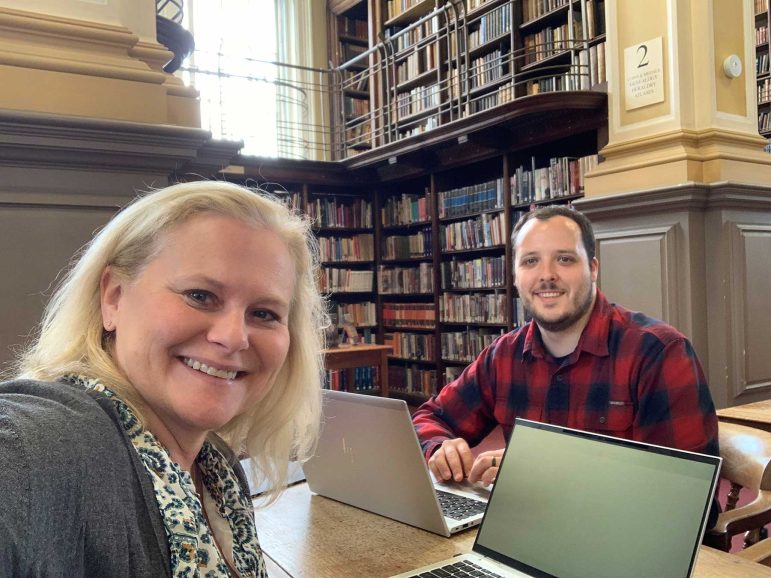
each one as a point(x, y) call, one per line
point(746, 454)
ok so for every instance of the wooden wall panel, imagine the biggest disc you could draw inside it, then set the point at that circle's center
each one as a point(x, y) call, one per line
point(749, 293)
point(637, 270)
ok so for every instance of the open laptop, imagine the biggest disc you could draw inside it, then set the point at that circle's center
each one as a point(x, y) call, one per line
point(369, 457)
point(568, 503)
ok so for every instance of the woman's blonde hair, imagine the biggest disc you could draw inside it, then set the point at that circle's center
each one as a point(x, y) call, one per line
point(71, 339)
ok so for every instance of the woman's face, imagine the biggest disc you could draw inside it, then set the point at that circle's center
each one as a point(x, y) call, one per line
point(203, 329)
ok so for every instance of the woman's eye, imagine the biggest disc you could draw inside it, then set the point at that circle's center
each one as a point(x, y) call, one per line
point(199, 296)
point(264, 315)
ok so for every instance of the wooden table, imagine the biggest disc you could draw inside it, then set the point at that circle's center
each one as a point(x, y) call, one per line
point(756, 414)
point(360, 356)
point(307, 536)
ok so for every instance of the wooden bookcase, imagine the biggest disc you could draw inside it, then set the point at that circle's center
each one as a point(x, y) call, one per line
point(762, 67)
point(349, 42)
point(433, 63)
point(423, 220)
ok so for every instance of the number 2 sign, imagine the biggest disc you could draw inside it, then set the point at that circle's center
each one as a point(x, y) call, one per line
point(643, 74)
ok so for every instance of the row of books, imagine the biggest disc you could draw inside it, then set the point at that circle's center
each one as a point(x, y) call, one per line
point(472, 307)
point(546, 43)
point(764, 122)
point(486, 230)
point(479, 273)
point(490, 26)
point(418, 346)
point(412, 380)
point(471, 199)
point(571, 80)
point(532, 9)
point(417, 315)
point(417, 100)
point(761, 63)
point(761, 6)
point(358, 133)
point(488, 68)
point(563, 176)
point(761, 35)
point(353, 27)
point(418, 126)
point(364, 379)
point(421, 60)
point(503, 95)
point(356, 248)
point(402, 40)
point(408, 246)
point(406, 209)
point(466, 345)
point(363, 314)
point(396, 7)
point(334, 280)
point(594, 58)
point(331, 212)
point(399, 280)
point(472, 5)
point(357, 80)
point(595, 18)
point(764, 91)
point(355, 107)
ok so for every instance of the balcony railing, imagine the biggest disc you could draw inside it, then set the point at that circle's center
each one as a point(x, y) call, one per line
point(435, 71)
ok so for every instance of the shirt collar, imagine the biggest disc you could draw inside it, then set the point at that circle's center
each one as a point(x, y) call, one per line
point(594, 339)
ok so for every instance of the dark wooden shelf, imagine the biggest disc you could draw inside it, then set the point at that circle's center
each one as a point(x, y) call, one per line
point(556, 16)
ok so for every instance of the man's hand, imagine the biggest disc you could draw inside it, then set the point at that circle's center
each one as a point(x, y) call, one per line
point(452, 461)
point(485, 468)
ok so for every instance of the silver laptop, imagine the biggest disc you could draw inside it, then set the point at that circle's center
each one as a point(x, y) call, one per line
point(574, 504)
point(369, 457)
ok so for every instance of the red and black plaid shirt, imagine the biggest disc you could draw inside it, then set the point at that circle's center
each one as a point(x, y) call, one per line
point(630, 376)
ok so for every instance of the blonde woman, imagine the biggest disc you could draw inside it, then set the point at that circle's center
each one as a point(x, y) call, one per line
point(188, 331)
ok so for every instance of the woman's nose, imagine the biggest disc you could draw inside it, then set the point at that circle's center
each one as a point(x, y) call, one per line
point(229, 330)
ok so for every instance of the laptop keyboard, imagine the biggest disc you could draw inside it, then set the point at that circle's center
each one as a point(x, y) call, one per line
point(457, 569)
point(459, 507)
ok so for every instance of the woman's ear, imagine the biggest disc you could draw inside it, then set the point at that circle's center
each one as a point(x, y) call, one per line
point(110, 288)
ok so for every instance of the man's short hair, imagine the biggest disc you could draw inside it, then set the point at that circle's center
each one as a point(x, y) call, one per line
point(546, 213)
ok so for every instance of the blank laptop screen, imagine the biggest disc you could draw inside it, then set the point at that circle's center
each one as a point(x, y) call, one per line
point(576, 504)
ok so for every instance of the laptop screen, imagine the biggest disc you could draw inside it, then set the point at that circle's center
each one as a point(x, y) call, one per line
point(570, 503)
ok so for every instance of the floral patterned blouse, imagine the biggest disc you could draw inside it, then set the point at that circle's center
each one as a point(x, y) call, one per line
point(193, 551)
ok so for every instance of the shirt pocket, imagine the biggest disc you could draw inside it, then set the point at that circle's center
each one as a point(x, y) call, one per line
point(615, 419)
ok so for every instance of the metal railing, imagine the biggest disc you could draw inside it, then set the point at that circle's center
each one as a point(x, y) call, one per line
point(400, 87)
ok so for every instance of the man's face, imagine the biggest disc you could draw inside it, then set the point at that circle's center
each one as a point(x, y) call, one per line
point(553, 274)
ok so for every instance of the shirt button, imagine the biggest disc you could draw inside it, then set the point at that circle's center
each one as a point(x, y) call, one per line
point(602, 419)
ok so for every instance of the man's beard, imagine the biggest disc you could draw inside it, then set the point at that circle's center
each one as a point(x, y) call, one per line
point(568, 319)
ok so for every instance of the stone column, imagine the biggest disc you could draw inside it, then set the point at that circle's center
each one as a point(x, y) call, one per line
point(682, 202)
point(89, 58)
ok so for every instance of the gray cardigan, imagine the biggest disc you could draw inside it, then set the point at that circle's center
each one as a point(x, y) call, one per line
point(75, 499)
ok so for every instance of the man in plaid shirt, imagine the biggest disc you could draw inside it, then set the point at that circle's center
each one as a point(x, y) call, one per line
point(582, 362)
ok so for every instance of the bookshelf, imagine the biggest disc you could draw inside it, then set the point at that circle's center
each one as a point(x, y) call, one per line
point(432, 63)
point(762, 67)
point(344, 225)
point(358, 369)
point(407, 283)
point(349, 45)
